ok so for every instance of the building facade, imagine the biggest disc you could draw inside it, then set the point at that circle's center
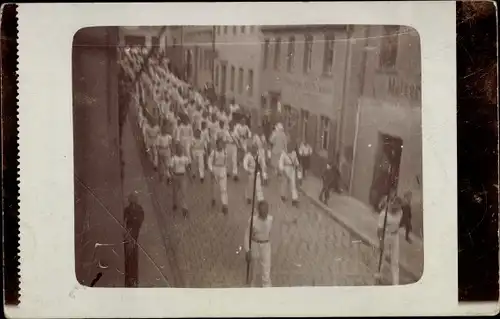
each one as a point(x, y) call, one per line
point(237, 65)
point(302, 83)
point(384, 131)
point(143, 36)
point(198, 49)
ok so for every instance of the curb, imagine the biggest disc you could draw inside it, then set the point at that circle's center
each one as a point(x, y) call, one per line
point(404, 269)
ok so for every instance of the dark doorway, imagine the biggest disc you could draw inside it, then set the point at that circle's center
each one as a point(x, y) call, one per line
point(388, 155)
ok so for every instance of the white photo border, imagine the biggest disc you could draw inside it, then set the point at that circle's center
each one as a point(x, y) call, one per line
point(49, 287)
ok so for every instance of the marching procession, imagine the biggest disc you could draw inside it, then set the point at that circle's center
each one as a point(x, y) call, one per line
point(186, 137)
point(185, 134)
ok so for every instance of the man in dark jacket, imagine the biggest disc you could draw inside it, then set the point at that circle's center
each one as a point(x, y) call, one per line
point(134, 217)
point(331, 180)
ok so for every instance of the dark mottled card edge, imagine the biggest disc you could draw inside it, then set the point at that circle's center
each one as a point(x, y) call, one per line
point(10, 153)
point(477, 138)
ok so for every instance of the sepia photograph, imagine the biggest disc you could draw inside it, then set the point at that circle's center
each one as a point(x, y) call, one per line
point(229, 156)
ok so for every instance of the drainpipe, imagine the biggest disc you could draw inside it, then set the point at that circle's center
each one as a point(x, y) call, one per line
point(213, 56)
point(340, 126)
point(358, 111)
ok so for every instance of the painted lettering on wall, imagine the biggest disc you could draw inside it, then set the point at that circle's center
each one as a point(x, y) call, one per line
point(307, 85)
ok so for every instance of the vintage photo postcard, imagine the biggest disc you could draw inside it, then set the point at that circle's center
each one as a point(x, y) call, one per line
point(177, 159)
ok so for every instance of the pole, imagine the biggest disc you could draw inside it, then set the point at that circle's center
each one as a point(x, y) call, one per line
point(340, 126)
point(378, 276)
point(257, 168)
point(213, 56)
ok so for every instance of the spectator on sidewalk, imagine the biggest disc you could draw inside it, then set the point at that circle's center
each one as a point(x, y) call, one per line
point(260, 251)
point(305, 152)
point(406, 218)
point(331, 179)
point(389, 242)
point(134, 217)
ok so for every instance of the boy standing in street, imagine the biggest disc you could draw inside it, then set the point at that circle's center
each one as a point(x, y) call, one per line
point(390, 241)
point(259, 254)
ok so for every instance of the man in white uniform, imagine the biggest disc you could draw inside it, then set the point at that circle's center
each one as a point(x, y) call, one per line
point(217, 162)
point(198, 154)
point(249, 165)
point(243, 133)
point(164, 152)
point(391, 238)
point(288, 165)
point(231, 141)
point(259, 254)
point(185, 136)
point(152, 131)
point(278, 141)
point(180, 166)
point(259, 143)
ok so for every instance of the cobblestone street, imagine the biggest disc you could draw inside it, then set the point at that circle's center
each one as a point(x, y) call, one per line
point(308, 247)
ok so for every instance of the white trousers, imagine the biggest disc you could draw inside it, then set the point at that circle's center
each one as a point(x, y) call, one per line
point(391, 245)
point(152, 151)
point(199, 160)
point(232, 154)
point(262, 157)
point(259, 194)
point(261, 261)
point(220, 176)
point(186, 145)
point(288, 182)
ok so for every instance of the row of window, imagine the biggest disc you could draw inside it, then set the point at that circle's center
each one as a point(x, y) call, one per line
point(241, 83)
point(323, 136)
point(243, 29)
point(328, 56)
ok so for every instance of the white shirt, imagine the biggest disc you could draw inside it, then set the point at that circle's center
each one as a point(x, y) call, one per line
point(288, 159)
point(185, 132)
point(164, 141)
point(393, 221)
point(217, 159)
point(261, 230)
point(242, 130)
point(198, 145)
point(249, 162)
point(179, 164)
point(305, 150)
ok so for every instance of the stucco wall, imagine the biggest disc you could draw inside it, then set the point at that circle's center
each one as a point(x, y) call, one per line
point(400, 121)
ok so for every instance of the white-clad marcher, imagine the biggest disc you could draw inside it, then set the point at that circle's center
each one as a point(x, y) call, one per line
point(391, 239)
point(198, 154)
point(185, 136)
point(232, 144)
point(259, 142)
point(152, 131)
point(164, 152)
point(278, 141)
point(243, 133)
point(249, 165)
point(217, 164)
point(288, 164)
point(259, 254)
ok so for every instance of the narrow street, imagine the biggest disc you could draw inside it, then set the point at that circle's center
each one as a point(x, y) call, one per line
point(205, 250)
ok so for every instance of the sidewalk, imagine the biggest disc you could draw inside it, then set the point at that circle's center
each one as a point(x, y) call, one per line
point(359, 219)
point(154, 265)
